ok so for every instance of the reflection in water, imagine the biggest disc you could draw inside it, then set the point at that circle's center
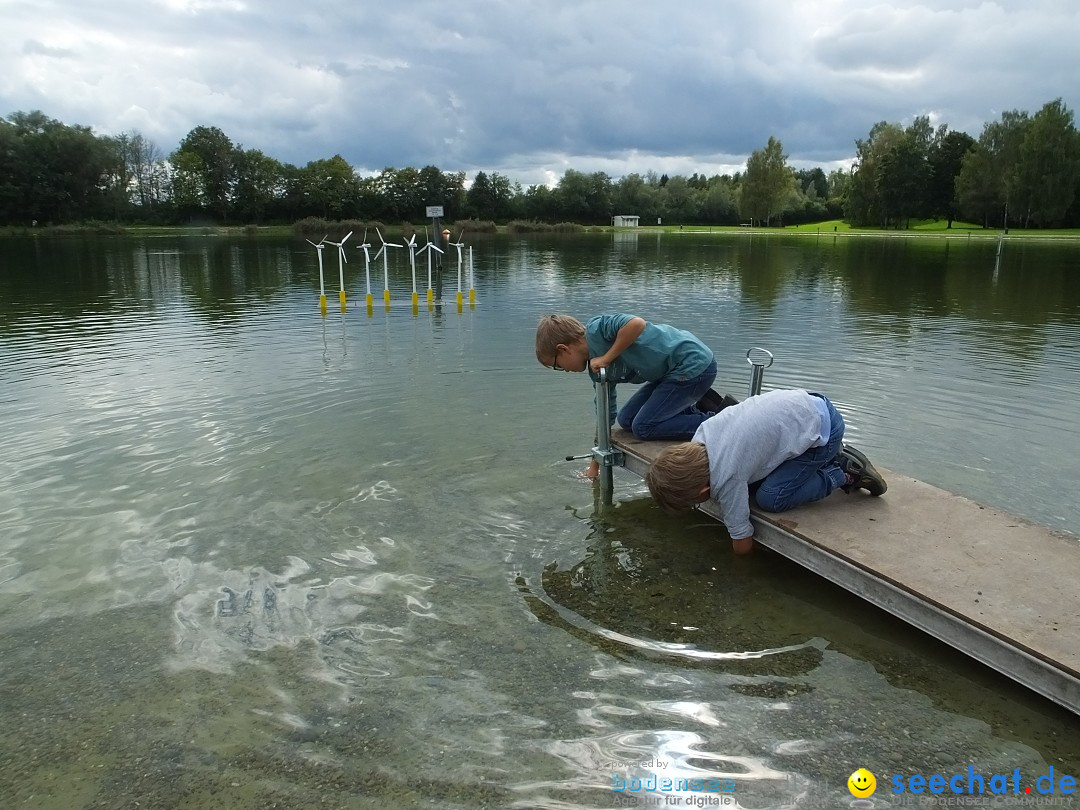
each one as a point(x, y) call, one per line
point(251, 556)
point(677, 600)
point(725, 652)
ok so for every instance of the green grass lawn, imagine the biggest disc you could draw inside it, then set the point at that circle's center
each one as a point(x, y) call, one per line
point(929, 227)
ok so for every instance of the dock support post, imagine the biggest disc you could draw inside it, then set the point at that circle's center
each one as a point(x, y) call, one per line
point(757, 368)
point(603, 453)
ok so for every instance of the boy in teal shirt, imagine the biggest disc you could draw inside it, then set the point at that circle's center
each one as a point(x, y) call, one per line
point(675, 369)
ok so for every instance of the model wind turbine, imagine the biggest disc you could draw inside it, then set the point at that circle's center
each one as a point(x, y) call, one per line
point(459, 245)
point(430, 246)
point(367, 267)
point(411, 244)
point(385, 268)
point(472, 280)
point(341, 262)
point(322, 287)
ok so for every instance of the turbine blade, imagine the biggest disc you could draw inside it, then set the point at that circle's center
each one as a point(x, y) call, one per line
point(346, 236)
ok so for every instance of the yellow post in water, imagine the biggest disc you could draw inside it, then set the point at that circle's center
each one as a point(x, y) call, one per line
point(386, 298)
point(322, 286)
point(472, 280)
point(370, 308)
point(415, 300)
point(341, 296)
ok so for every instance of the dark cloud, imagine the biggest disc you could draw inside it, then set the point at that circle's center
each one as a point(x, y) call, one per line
point(527, 88)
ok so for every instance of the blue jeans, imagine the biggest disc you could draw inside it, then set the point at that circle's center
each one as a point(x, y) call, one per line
point(665, 409)
point(808, 477)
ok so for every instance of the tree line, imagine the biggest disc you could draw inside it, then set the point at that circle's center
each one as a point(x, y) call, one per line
point(1022, 170)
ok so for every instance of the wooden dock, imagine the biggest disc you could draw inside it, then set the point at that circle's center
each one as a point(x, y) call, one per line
point(997, 587)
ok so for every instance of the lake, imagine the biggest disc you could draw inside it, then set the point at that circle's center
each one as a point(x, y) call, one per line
point(252, 556)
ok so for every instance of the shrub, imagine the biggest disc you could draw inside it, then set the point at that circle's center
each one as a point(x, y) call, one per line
point(475, 226)
point(529, 226)
point(314, 228)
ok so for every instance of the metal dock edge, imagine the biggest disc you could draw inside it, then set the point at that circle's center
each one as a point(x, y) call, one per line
point(992, 585)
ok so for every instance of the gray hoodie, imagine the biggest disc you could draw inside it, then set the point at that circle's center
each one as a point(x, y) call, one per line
point(748, 441)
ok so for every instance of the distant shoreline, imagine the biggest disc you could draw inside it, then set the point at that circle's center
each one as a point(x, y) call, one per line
point(833, 228)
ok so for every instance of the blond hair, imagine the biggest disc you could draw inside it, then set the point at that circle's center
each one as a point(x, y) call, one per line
point(553, 330)
point(678, 475)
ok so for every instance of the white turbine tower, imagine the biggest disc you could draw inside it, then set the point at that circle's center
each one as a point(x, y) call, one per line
point(341, 262)
point(411, 243)
point(385, 268)
point(367, 267)
point(322, 287)
point(459, 245)
point(430, 246)
point(472, 280)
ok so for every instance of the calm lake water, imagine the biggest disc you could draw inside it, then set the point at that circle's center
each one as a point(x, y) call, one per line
point(255, 557)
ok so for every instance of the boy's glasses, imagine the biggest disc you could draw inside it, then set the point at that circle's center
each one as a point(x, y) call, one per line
point(555, 362)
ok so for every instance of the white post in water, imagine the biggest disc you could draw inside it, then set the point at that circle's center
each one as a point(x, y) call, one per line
point(367, 270)
point(322, 286)
point(411, 243)
point(472, 280)
point(385, 269)
point(459, 245)
point(341, 262)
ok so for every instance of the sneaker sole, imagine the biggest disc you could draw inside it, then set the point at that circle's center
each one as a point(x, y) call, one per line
point(714, 402)
point(868, 477)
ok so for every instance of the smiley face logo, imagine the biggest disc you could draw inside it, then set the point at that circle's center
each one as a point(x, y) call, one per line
point(862, 783)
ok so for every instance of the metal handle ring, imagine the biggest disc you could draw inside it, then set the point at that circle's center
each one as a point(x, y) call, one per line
point(759, 363)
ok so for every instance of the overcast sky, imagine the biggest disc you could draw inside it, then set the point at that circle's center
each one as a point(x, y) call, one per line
point(530, 88)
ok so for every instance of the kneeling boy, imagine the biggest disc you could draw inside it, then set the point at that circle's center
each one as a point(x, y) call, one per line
point(784, 446)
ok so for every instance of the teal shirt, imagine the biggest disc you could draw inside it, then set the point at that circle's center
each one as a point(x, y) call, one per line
point(660, 352)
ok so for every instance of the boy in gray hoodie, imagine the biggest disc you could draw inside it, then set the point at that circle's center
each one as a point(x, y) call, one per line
point(786, 447)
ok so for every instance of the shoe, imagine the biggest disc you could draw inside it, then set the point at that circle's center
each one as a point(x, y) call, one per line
point(713, 402)
point(861, 472)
